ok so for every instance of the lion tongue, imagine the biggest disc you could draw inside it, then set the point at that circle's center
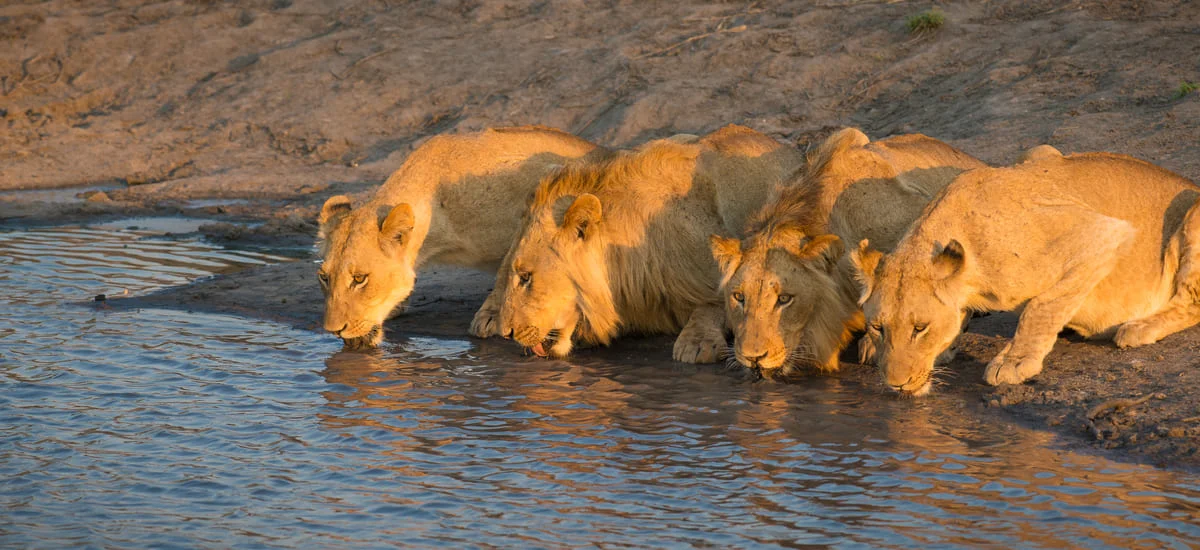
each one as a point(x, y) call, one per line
point(539, 350)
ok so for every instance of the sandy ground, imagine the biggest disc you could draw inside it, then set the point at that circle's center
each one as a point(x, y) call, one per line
point(252, 113)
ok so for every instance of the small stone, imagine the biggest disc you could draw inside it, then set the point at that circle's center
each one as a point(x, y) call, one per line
point(993, 403)
point(1160, 357)
point(1176, 432)
point(98, 196)
point(100, 298)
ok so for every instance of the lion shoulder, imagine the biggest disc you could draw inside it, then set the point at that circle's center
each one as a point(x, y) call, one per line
point(447, 159)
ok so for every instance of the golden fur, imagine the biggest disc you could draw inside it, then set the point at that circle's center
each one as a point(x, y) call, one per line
point(618, 245)
point(1103, 244)
point(790, 296)
point(456, 200)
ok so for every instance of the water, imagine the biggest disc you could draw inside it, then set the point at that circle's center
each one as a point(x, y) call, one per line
point(155, 428)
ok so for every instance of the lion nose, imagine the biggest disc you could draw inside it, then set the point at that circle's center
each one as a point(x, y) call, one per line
point(338, 332)
point(508, 334)
point(756, 359)
point(896, 383)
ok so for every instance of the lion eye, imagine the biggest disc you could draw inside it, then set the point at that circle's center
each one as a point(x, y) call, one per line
point(785, 299)
point(359, 279)
point(739, 297)
point(876, 327)
point(323, 278)
point(918, 329)
point(524, 277)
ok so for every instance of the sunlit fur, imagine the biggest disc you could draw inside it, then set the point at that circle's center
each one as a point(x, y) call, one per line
point(455, 200)
point(619, 244)
point(850, 190)
point(1099, 243)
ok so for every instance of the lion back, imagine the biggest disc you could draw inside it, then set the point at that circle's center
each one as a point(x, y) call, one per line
point(743, 167)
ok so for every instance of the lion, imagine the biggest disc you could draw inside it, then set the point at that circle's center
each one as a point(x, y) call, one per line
point(1100, 243)
point(455, 200)
point(619, 245)
point(791, 297)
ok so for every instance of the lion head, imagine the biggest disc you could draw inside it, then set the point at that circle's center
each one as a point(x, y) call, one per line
point(368, 267)
point(558, 289)
point(914, 309)
point(784, 299)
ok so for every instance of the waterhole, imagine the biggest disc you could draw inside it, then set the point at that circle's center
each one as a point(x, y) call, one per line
point(160, 428)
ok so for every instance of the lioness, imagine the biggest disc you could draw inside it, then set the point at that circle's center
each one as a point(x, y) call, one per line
point(619, 245)
point(456, 200)
point(1104, 244)
point(790, 293)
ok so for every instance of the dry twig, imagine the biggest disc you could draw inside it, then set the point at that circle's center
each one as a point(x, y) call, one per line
point(360, 61)
point(1115, 405)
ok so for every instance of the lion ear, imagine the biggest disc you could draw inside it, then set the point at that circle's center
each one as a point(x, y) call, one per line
point(826, 248)
point(331, 215)
point(1041, 152)
point(397, 226)
point(727, 252)
point(948, 259)
point(865, 262)
point(582, 216)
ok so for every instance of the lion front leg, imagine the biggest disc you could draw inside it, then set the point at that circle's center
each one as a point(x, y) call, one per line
point(703, 338)
point(486, 322)
point(866, 350)
point(565, 341)
point(1182, 310)
point(1047, 313)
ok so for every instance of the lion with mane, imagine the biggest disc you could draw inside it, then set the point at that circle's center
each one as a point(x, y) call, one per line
point(790, 292)
point(619, 245)
point(457, 199)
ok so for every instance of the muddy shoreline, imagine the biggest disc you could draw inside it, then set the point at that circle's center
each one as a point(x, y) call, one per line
point(249, 115)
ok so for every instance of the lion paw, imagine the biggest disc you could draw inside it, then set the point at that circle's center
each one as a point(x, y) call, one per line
point(1134, 334)
point(866, 350)
point(562, 348)
point(486, 323)
point(699, 346)
point(1006, 369)
point(945, 357)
